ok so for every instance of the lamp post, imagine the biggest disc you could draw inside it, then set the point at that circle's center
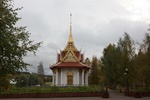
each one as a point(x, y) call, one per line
point(127, 82)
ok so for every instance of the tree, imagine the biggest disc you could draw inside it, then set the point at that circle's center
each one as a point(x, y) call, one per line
point(14, 42)
point(147, 69)
point(140, 66)
point(40, 69)
point(146, 51)
point(87, 61)
point(34, 79)
point(116, 59)
point(22, 80)
point(127, 48)
point(111, 67)
point(94, 78)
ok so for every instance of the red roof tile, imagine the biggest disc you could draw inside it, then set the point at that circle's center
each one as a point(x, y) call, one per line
point(69, 65)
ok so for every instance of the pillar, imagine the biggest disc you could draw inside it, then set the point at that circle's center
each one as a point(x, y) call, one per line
point(61, 77)
point(82, 76)
point(77, 81)
point(86, 77)
point(53, 82)
point(56, 77)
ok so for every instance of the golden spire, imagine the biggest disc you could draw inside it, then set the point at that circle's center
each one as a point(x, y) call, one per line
point(70, 45)
point(70, 36)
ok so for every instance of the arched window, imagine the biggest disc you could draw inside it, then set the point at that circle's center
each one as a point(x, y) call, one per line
point(69, 78)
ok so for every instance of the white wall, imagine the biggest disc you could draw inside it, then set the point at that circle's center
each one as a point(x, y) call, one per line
point(75, 76)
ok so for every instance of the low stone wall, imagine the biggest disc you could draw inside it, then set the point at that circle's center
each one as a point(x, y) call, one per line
point(139, 94)
point(53, 95)
point(145, 94)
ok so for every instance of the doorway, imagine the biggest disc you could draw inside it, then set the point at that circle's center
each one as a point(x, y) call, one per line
point(69, 78)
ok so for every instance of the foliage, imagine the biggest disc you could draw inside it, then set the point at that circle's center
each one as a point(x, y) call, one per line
point(127, 49)
point(24, 80)
point(52, 89)
point(34, 79)
point(142, 62)
point(40, 69)
point(110, 64)
point(147, 58)
point(141, 89)
point(21, 80)
point(15, 43)
point(48, 79)
point(4, 83)
point(87, 61)
point(94, 77)
point(116, 59)
point(48, 83)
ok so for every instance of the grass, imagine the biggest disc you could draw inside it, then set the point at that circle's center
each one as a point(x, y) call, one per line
point(51, 89)
point(48, 83)
point(142, 89)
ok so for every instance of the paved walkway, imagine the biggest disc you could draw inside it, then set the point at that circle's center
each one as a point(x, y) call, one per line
point(118, 96)
point(113, 96)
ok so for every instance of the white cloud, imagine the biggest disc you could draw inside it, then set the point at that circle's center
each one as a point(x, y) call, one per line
point(96, 23)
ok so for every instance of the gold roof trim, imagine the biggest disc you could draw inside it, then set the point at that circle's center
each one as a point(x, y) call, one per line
point(72, 54)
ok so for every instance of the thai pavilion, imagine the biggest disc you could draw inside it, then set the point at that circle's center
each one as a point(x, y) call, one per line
point(70, 69)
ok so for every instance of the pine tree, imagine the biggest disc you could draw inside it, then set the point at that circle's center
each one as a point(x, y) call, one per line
point(94, 77)
point(110, 63)
point(40, 69)
point(147, 58)
point(127, 53)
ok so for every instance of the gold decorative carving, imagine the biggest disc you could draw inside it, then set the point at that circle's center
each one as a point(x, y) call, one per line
point(70, 58)
point(69, 77)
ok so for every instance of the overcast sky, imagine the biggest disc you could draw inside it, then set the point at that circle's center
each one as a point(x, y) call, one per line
point(96, 23)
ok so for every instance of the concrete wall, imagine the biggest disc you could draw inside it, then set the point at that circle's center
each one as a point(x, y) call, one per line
point(80, 77)
point(64, 72)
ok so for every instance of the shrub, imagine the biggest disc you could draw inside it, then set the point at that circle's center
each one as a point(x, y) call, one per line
point(34, 89)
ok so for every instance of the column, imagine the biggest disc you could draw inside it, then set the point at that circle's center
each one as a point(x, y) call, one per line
point(82, 76)
point(53, 79)
point(62, 77)
point(77, 77)
point(56, 77)
point(86, 77)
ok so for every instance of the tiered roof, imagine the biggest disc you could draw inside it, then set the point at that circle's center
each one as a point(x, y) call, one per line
point(70, 57)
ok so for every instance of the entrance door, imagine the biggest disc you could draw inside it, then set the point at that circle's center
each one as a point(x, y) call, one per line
point(69, 78)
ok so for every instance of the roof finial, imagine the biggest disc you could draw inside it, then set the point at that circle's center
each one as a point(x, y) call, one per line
point(70, 36)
